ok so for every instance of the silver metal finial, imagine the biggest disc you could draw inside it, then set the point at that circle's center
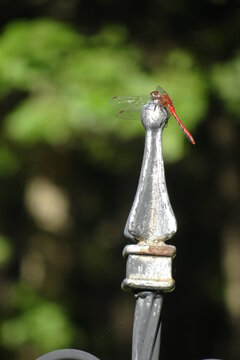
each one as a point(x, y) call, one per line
point(151, 220)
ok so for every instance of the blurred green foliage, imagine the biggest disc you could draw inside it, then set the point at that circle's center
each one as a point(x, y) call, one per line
point(68, 79)
point(226, 82)
point(36, 320)
point(5, 250)
point(61, 288)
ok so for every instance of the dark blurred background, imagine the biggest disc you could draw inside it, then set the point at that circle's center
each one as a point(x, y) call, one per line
point(69, 170)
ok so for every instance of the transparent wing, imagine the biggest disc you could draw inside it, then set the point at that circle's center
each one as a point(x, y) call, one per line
point(159, 89)
point(129, 114)
point(130, 102)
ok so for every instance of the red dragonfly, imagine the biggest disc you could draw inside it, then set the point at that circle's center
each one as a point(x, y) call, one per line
point(132, 104)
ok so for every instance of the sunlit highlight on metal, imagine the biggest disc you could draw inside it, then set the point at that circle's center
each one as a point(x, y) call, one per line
point(151, 220)
point(150, 223)
point(149, 262)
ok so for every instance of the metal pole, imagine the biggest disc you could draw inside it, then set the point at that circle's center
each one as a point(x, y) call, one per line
point(150, 223)
point(149, 262)
point(147, 326)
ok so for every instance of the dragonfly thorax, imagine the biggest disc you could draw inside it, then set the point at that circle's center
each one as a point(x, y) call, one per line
point(163, 99)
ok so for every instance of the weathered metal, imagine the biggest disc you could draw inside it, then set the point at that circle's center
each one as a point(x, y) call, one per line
point(147, 326)
point(149, 262)
point(151, 220)
point(149, 270)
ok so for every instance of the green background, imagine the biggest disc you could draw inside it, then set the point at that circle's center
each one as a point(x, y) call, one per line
point(69, 170)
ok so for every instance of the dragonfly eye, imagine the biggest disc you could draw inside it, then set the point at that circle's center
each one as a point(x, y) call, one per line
point(154, 94)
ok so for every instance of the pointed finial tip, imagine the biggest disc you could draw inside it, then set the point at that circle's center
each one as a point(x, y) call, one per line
point(151, 218)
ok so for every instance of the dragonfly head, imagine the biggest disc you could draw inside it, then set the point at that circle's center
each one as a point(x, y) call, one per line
point(155, 95)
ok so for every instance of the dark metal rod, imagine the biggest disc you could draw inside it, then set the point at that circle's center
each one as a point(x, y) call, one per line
point(147, 326)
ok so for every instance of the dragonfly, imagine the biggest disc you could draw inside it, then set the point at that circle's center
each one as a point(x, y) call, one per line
point(132, 104)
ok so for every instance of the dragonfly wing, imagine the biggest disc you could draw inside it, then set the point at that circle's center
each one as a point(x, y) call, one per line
point(129, 114)
point(129, 106)
point(159, 89)
point(130, 102)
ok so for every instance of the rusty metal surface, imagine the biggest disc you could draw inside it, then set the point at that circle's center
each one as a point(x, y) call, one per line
point(151, 220)
point(146, 270)
point(162, 250)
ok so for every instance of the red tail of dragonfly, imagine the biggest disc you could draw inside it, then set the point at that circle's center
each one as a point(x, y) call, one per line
point(164, 100)
point(132, 104)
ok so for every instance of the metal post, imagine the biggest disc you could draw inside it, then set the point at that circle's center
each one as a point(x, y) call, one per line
point(149, 262)
point(150, 223)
